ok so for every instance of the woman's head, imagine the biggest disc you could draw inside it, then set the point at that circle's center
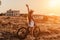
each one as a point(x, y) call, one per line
point(31, 11)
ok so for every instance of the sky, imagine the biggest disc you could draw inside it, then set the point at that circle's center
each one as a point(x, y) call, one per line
point(46, 7)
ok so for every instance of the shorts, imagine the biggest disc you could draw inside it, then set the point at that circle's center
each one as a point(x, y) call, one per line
point(31, 24)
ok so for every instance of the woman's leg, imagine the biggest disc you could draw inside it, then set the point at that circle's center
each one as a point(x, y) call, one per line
point(31, 29)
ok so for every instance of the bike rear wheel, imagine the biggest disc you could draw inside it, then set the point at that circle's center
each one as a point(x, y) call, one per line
point(36, 32)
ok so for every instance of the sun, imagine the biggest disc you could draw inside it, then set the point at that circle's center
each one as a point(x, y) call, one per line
point(52, 3)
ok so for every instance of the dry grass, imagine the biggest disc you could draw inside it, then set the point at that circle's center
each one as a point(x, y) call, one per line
point(47, 31)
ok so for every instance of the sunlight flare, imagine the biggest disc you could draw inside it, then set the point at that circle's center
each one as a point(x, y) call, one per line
point(52, 3)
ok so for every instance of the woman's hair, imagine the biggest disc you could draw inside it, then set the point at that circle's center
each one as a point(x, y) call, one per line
point(31, 11)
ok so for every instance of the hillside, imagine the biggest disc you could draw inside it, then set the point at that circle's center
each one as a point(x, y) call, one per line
point(48, 27)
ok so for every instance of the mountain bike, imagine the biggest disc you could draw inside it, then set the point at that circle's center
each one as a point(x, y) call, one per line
point(23, 32)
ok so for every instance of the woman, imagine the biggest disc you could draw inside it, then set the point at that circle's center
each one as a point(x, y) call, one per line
point(31, 23)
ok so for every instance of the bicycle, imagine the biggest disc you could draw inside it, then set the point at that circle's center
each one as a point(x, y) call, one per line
point(23, 32)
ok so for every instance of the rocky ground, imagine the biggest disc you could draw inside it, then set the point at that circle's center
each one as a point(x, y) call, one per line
point(10, 25)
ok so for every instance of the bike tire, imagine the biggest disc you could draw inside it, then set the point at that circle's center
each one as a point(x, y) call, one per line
point(24, 33)
point(36, 32)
